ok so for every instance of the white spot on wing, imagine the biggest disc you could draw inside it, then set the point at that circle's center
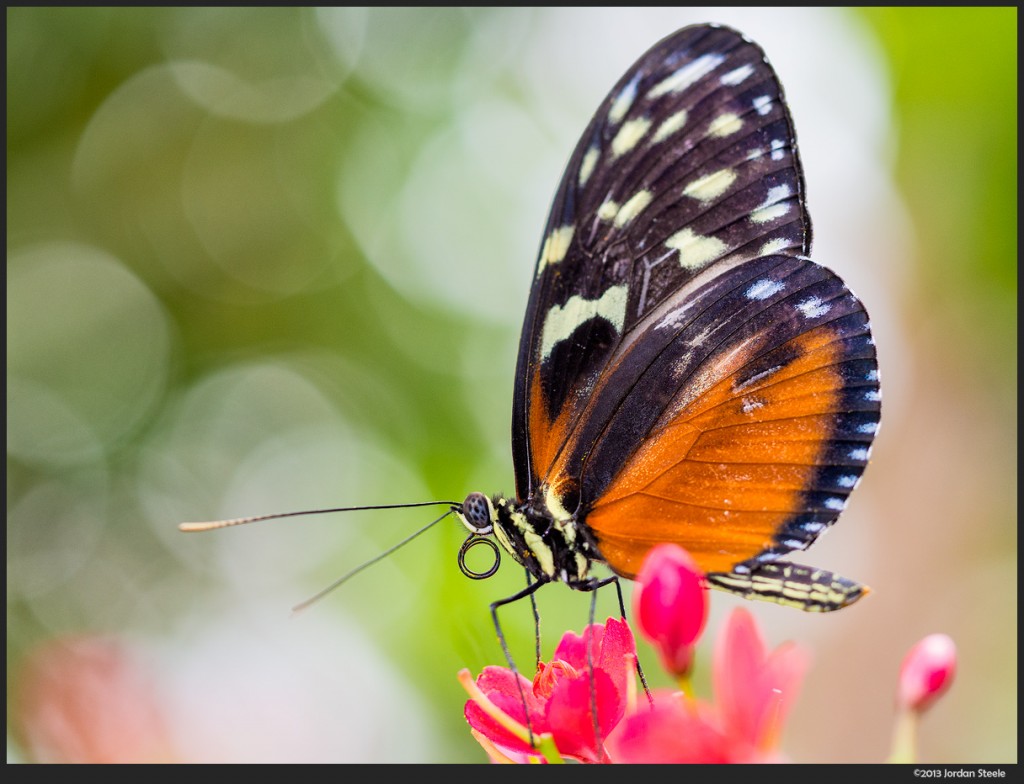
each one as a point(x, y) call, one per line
point(873, 395)
point(762, 104)
point(813, 307)
point(623, 101)
point(695, 251)
point(835, 504)
point(738, 75)
point(764, 288)
point(757, 377)
point(860, 453)
point(562, 320)
point(751, 404)
point(848, 480)
point(868, 428)
point(688, 75)
point(710, 186)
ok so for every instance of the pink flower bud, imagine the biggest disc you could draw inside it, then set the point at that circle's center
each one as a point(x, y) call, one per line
point(670, 605)
point(926, 672)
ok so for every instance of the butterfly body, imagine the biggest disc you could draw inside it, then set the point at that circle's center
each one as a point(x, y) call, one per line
point(686, 372)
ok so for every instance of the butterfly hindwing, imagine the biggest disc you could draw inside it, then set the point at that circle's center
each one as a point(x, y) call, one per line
point(738, 424)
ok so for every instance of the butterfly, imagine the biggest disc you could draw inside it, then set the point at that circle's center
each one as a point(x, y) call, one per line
point(686, 373)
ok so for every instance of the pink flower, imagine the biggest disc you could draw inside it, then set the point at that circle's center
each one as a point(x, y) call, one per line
point(558, 701)
point(90, 700)
point(670, 605)
point(927, 672)
point(754, 688)
point(675, 730)
point(925, 675)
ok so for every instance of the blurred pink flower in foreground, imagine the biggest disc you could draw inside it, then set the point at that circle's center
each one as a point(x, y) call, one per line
point(671, 607)
point(925, 675)
point(89, 700)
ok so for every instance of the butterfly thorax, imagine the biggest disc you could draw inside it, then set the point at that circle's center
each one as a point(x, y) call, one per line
point(547, 542)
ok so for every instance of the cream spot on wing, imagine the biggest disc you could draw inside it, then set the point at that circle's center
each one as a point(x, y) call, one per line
point(769, 213)
point(773, 246)
point(632, 208)
point(770, 208)
point(629, 134)
point(588, 164)
point(608, 210)
point(695, 251)
point(562, 320)
point(688, 75)
point(711, 186)
point(555, 246)
point(670, 126)
point(725, 125)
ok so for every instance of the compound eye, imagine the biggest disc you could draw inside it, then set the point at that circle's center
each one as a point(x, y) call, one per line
point(476, 511)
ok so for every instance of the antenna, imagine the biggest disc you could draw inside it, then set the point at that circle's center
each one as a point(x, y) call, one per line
point(215, 524)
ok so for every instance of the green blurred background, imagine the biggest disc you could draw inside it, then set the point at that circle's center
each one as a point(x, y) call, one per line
point(261, 260)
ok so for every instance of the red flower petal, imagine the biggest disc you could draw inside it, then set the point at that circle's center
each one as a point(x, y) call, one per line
point(671, 732)
point(754, 689)
point(499, 686)
point(569, 714)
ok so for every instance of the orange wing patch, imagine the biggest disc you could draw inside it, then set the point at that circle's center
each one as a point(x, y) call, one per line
point(546, 436)
point(721, 475)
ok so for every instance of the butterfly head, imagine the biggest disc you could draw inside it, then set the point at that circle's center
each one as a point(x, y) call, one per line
point(546, 546)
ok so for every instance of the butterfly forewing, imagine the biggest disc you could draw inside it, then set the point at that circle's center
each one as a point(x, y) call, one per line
point(690, 163)
point(686, 374)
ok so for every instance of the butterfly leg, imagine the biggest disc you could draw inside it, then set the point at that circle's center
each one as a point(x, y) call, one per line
point(622, 612)
point(529, 590)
